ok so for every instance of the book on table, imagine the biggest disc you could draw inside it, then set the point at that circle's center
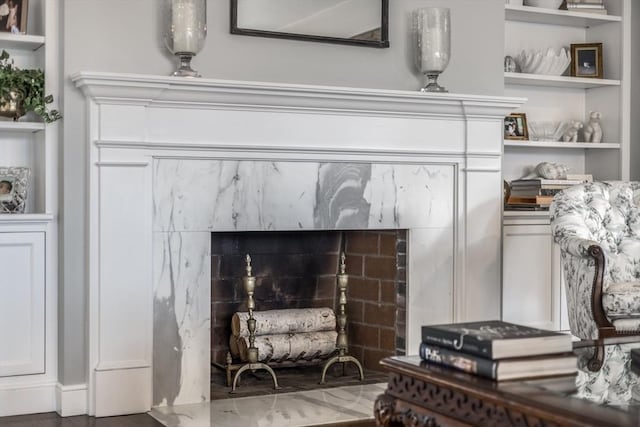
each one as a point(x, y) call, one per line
point(495, 339)
point(501, 369)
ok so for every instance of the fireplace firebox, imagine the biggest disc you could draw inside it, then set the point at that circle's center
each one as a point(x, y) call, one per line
point(297, 269)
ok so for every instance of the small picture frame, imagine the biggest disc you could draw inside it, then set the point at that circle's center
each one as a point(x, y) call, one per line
point(14, 184)
point(13, 16)
point(586, 60)
point(515, 127)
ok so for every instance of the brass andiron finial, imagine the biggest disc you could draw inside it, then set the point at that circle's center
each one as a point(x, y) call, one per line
point(249, 283)
point(341, 342)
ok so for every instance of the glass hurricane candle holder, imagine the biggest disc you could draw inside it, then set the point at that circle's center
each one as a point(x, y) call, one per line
point(186, 32)
point(432, 33)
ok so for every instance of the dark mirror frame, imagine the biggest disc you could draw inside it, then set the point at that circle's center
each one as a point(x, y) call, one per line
point(384, 31)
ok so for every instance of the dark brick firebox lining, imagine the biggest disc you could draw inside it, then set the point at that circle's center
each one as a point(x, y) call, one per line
point(297, 270)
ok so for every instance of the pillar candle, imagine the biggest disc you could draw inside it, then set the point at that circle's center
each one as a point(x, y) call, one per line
point(184, 20)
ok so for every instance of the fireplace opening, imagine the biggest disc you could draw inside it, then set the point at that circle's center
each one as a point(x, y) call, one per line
point(297, 269)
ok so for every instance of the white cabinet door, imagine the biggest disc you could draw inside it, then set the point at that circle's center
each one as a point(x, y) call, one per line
point(530, 277)
point(22, 296)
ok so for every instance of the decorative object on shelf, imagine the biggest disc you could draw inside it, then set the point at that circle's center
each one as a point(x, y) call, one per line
point(510, 65)
point(586, 60)
point(360, 23)
point(547, 130)
point(22, 90)
point(547, 4)
point(589, 6)
point(14, 184)
point(551, 170)
point(548, 170)
point(571, 134)
point(186, 32)
point(593, 130)
point(432, 33)
point(515, 126)
point(513, 2)
point(13, 16)
point(549, 63)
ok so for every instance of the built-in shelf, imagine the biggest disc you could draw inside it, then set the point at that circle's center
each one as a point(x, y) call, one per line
point(21, 41)
point(512, 214)
point(26, 127)
point(551, 144)
point(541, 15)
point(26, 218)
point(557, 81)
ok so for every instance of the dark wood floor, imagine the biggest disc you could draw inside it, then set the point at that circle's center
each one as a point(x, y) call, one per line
point(52, 419)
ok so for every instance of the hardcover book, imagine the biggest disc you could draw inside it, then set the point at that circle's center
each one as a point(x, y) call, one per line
point(495, 339)
point(504, 369)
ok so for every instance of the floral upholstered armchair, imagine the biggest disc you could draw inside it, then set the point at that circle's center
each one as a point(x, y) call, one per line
point(597, 226)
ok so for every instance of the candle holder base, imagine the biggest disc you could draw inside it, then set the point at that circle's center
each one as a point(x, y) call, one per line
point(184, 69)
point(432, 85)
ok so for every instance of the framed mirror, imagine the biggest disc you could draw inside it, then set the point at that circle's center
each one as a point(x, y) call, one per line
point(356, 22)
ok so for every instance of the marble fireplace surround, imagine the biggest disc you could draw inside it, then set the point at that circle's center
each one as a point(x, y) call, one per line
point(172, 160)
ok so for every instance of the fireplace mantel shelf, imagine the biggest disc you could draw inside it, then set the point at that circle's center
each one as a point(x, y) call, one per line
point(152, 90)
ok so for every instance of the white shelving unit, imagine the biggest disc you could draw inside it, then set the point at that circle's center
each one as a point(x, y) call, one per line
point(28, 241)
point(531, 260)
point(565, 98)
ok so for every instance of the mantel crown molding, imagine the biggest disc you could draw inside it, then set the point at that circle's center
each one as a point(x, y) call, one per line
point(152, 90)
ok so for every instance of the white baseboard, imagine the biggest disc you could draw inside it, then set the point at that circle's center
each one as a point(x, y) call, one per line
point(27, 398)
point(71, 399)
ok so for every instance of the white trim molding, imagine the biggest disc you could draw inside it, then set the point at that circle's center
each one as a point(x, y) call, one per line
point(71, 400)
point(142, 128)
point(27, 398)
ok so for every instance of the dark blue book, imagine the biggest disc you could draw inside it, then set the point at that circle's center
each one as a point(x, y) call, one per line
point(503, 369)
point(495, 339)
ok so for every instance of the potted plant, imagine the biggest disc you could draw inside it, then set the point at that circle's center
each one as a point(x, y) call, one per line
point(22, 90)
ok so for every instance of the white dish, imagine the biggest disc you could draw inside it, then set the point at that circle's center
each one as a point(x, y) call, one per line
point(550, 63)
point(547, 130)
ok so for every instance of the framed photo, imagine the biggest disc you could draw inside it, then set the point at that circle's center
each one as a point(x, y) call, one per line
point(586, 60)
point(14, 183)
point(13, 16)
point(515, 126)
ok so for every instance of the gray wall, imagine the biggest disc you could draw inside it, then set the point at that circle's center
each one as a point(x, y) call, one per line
point(125, 36)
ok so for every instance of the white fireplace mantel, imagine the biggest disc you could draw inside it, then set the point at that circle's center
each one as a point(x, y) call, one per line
point(158, 149)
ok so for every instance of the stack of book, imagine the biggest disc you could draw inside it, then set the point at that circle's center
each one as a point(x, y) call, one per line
point(537, 193)
point(499, 350)
point(589, 6)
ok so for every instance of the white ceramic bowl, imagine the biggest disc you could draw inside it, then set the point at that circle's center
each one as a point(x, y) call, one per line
point(547, 130)
point(550, 63)
point(547, 4)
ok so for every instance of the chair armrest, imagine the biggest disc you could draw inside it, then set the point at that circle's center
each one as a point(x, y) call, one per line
point(577, 246)
point(584, 268)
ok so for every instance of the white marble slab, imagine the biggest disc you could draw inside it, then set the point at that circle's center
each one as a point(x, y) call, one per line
point(305, 408)
point(181, 317)
point(224, 195)
point(193, 197)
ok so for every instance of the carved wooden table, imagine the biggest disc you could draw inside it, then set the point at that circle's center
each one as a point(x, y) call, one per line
point(422, 394)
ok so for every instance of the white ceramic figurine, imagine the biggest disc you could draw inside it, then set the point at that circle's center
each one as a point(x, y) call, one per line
point(571, 134)
point(593, 130)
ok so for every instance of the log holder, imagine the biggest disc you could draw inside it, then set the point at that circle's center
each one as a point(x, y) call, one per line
point(341, 354)
point(249, 283)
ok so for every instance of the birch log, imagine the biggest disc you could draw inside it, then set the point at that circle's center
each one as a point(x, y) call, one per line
point(289, 321)
point(292, 347)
